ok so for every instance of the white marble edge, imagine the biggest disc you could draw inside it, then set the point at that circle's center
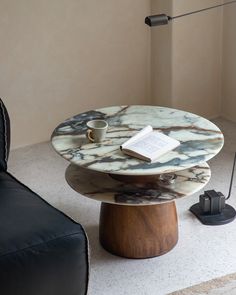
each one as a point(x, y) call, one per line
point(200, 139)
point(102, 187)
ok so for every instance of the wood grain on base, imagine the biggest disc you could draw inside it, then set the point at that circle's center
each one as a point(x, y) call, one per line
point(138, 231)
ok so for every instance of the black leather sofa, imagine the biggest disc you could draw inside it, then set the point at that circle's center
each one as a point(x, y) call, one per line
point(42, 251)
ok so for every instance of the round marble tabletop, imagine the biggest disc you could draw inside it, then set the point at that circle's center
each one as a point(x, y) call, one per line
point(200, 139)
point(150, 191)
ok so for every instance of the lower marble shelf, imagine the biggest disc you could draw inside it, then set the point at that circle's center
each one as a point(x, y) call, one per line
point(146, 190)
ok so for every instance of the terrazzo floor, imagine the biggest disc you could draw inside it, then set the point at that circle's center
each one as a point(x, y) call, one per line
point(202, 253)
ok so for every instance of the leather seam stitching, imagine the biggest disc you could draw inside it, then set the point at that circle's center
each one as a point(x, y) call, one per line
point(5, 129)
point(32, 246)
point(88, 259)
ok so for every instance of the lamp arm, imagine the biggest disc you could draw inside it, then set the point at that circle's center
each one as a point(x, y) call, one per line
point(163, 19)
point(232, 176)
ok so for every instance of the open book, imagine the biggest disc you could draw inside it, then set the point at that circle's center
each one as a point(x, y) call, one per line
point(149, 145)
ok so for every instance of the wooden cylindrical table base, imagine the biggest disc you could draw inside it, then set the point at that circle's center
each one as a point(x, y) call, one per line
point(138, 231)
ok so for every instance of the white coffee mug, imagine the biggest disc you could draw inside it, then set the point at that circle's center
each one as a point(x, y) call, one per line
point(97, 130)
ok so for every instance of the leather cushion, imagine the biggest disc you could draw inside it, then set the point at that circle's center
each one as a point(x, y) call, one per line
point(4, 136)
point(42, 251)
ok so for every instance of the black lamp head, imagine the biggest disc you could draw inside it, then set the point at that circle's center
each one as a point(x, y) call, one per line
point(157, 20)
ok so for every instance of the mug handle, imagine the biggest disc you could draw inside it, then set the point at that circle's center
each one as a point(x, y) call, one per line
point(88, 134)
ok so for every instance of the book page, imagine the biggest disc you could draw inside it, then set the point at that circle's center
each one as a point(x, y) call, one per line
point(148, 144)
point(137, 136)
point(153, 145)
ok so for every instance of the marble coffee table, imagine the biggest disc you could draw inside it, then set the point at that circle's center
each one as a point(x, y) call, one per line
point(138, 217)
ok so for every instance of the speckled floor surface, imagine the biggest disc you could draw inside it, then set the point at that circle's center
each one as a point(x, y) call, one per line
point(202, 253)
point(225, 285)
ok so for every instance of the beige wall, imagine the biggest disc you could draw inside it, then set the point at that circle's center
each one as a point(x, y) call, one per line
point(161, 56)
point(185, 6)
point(229, 63)
point(190, 57)
point(59, 58)
point(196, 55)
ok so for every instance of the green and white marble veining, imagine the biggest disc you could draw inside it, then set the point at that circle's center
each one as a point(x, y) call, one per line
point(200, 139)
point(102, 187)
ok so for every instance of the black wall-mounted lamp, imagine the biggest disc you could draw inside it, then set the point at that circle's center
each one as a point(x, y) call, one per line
point(163, 19)
point(211, 208)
